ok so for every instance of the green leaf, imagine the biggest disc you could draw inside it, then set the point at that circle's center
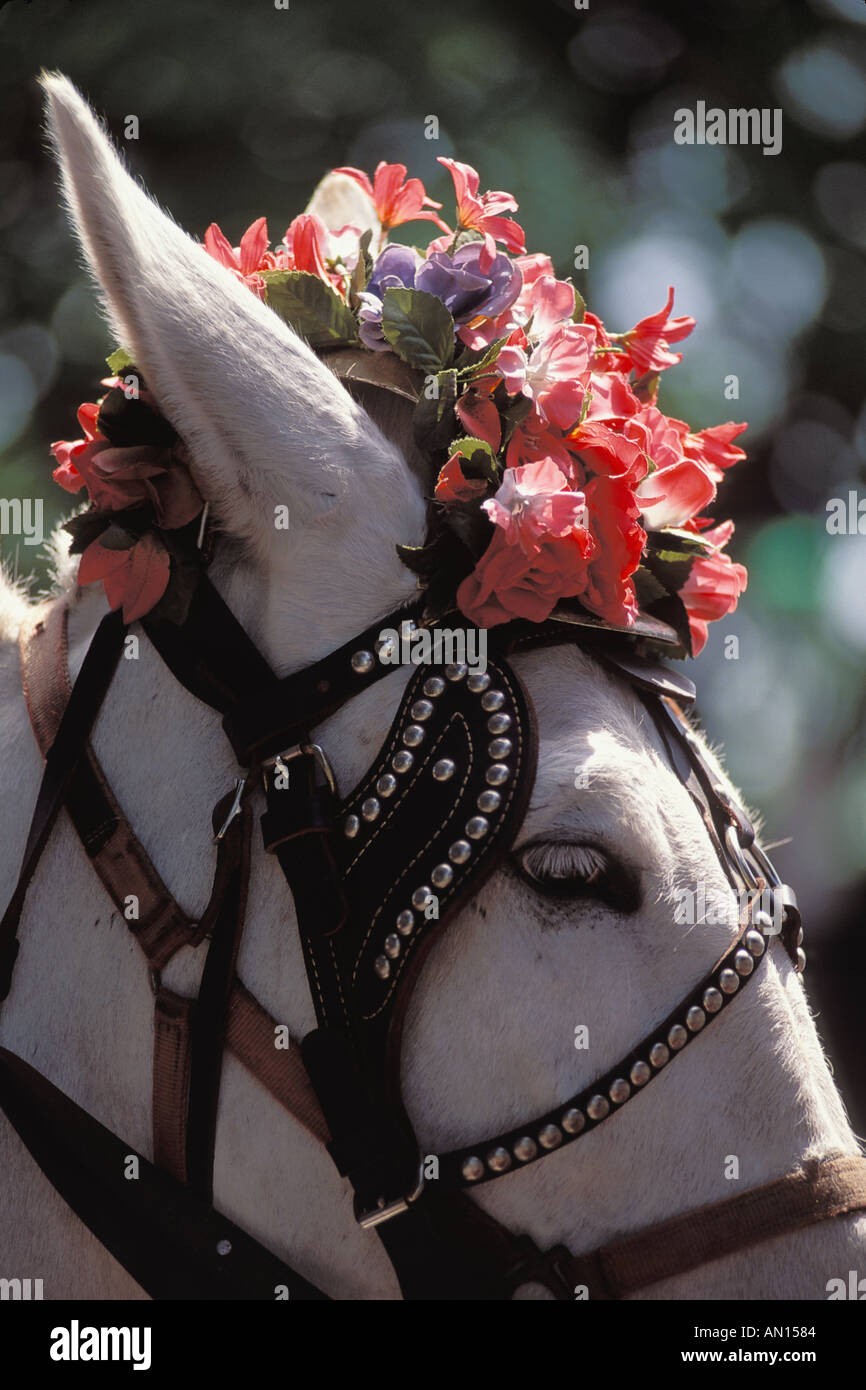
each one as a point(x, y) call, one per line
point(479, 460)
point(469, 369)
point(116, 537)
point(363, 269)
point(119, 360)
point(311, 307)
point(647, 587)
point(434, 422)
point(671, 573)
point(579, 306)
point(419, 328)
point(677, 544)
point(85, 528)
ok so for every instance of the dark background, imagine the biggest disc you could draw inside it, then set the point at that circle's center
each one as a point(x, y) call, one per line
point(243, 107)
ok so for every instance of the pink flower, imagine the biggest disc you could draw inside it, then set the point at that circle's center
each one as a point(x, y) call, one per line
point(555, 374)
point(246, 260)
point(484, 214)
point(534, 504)
point(532, 440)
point(714, 449)
point(672, 495)
point(713, 587)
point(396, 198)
point(507, 584)
point(647, 343)
point(602, 449)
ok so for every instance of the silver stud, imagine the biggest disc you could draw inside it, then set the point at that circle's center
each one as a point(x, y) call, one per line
point(224, 1247)
point(421, 710)
point(729, 982)
point(392, 946)
point(443, 770)
point(755, 942)
point(498, 723)
point(402, 761)
point(744, 964)
point(492, 700)
point(351, 826)
point(801, 959)
point(573, 1121)
point(619, 1090)
point(370, 808)
point(499, 1160)
point(763, 921)
point(658, 1055)
point(477, 827)
point(525, 1149)
point(456, 671)
point(459, 851)
point(405, 921)
point(497, 774)
point(421, 897)
point(478, 681)
point(382, 966)
point(695, 1019)
point(433, 686)
point(489, 801)
point(550, 1137)
point(387, 785)
point(442, 875)
point(598, 1107)
point(413, 734)
point(499, 748)
point(472, 1168)
point(712, 1000)
point(362, 662)
point(677, 1037)
point(640, 1074)
point(799, 940)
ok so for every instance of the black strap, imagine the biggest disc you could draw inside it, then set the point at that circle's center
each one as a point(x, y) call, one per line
point(173, 1244)
point(61, 762)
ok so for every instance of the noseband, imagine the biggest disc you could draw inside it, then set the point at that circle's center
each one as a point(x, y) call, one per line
point(376, 877)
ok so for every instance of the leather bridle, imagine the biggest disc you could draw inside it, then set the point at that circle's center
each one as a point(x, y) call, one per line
point(376, 877)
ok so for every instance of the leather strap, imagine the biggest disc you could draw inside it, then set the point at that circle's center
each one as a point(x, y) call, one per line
point(171, 1047)
point(274, 1060)
point(117, 855)
point(822, 1189)
point(63, 758)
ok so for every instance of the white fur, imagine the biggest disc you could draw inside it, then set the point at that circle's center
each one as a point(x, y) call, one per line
point(490, 1030)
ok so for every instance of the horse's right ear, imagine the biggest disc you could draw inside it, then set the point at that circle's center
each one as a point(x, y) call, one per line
point(264, 419)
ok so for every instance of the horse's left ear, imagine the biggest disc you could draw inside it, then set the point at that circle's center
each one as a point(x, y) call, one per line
point(264, 419)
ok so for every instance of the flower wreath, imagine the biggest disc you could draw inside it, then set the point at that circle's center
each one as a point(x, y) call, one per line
point(556, 481)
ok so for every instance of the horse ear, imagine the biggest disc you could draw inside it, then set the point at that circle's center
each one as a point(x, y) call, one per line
point(265, 421)
point(341, 202)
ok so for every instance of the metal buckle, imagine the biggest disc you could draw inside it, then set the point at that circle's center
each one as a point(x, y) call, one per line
point(234, 809)
point(385, 1211)
point(303, 750)
point(735, 850)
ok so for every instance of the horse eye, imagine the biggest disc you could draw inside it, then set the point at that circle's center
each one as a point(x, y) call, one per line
point(561, 869)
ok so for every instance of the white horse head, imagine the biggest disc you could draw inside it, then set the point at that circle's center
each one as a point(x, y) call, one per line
point(579, 932)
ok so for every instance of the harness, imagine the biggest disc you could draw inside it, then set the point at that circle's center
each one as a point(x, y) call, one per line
point(376, 877)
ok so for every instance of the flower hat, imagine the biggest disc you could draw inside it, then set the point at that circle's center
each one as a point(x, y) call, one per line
point(557, 485)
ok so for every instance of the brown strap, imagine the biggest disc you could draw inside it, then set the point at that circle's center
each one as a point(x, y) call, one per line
point(171, 1044)
point(116, 853)
point(252, 1037)
point(821, 1189)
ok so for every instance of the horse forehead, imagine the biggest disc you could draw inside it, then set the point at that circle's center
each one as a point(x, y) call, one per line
point(578, 703)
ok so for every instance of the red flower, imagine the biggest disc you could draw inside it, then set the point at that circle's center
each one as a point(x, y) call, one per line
point(246, 260)
point(484, 214)
point(647, 343)
point(479, 417)
point(396, 198)
point(713, 587)
point(620, 539)
point(713, 448)
point(452, 485)
point(506, 583)
point(134, 579)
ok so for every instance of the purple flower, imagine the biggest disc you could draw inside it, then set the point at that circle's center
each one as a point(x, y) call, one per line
point(394, 269)
point(466, 290)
